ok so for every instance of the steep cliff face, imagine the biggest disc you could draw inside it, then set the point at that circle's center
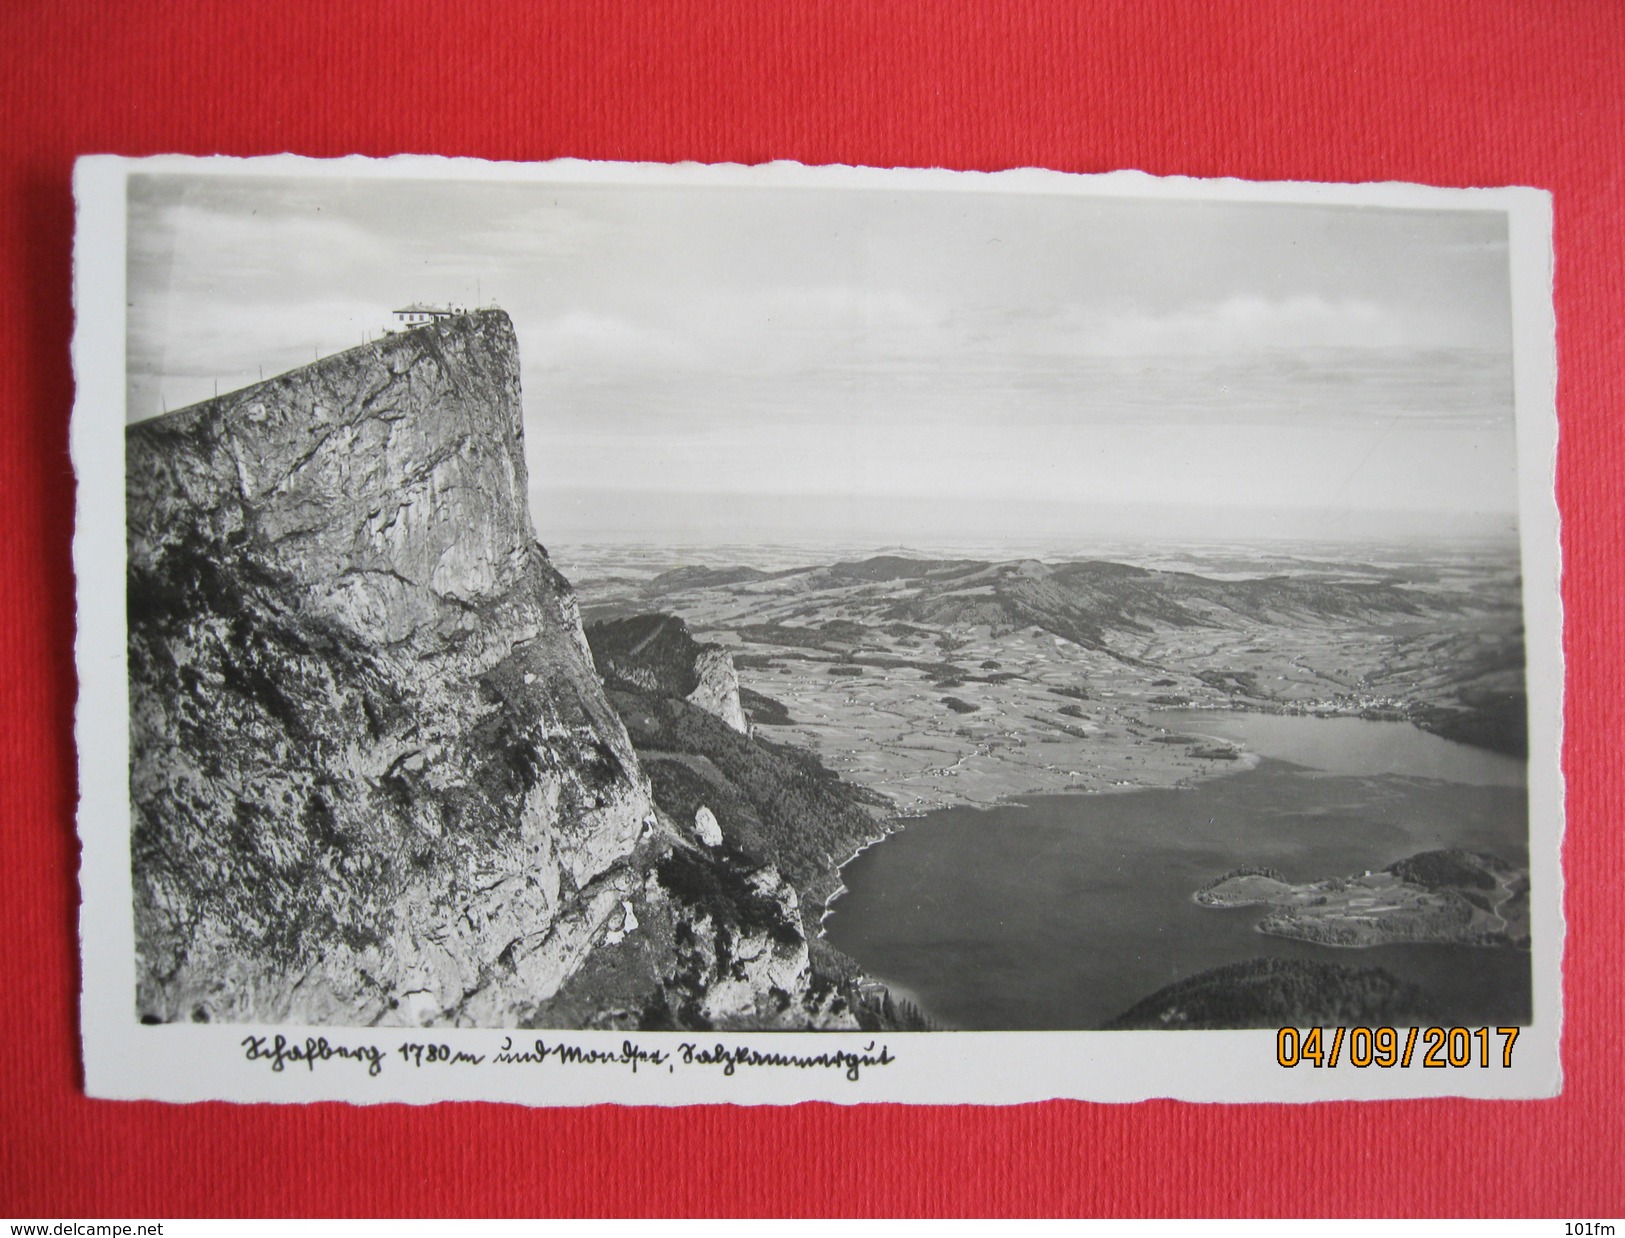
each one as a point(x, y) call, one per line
point(657, 654)
point(374, 776)
point(717, 688)
point(773, 801)
point(767, 817)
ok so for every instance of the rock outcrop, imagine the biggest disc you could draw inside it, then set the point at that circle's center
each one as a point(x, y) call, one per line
point(756, 972)
point(706, 828)
point(375, 778)
point(717, 689)
point(656, 653)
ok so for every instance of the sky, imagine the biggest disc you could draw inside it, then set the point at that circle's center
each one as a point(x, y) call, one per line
point(722, 363)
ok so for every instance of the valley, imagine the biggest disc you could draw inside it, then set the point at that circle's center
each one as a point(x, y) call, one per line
point(944, 681)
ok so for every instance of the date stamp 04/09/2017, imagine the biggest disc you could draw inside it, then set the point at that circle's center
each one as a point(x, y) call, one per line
point(1386, 1047)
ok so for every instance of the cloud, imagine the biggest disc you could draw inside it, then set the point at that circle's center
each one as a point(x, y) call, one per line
point(180, 348)
point(197, 337)
point(775, 331)
point(1250, 323)
point(602, 344)
point(824, 344)
point(233, 249)
point(887, 338)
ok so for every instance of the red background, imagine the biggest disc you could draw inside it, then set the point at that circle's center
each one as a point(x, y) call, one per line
point(1449, 92)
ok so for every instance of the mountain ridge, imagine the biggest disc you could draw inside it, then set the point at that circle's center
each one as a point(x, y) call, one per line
point(1471, 692)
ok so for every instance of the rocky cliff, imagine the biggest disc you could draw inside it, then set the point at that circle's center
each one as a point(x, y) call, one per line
point(656, 653)
point(374, 776)
point(755, 805)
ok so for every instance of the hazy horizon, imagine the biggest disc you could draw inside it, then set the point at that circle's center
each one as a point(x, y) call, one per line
point(652, 518)
point(588, 565)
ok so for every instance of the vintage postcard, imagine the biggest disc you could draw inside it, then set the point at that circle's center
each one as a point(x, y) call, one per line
point(580, 632)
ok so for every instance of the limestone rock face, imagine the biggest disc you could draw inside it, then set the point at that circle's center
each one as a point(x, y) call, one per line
point(742, 960)
point(706, 828)
point(374, 775)
point(656, 653)
point(765, 980)
point(388, 481)
point(718, 689)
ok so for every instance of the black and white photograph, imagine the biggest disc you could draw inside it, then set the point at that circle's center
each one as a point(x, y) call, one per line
point(647, 604)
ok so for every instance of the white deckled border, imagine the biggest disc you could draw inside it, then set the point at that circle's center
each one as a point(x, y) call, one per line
point(179, 1062)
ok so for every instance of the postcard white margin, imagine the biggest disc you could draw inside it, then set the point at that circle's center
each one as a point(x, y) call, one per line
point(125, 1059)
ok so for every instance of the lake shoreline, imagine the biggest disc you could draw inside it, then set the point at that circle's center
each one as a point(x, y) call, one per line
point(945, 881)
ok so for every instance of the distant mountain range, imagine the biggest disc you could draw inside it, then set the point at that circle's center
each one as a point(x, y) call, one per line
point(1080, 601)
point(1460, 644)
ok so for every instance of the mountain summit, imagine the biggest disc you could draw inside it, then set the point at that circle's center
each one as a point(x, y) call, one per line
point(374, 775)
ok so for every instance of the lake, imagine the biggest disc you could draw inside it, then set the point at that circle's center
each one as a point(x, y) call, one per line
point(1062, 911)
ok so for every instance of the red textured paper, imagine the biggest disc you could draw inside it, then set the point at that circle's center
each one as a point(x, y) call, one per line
point(1448, 92)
